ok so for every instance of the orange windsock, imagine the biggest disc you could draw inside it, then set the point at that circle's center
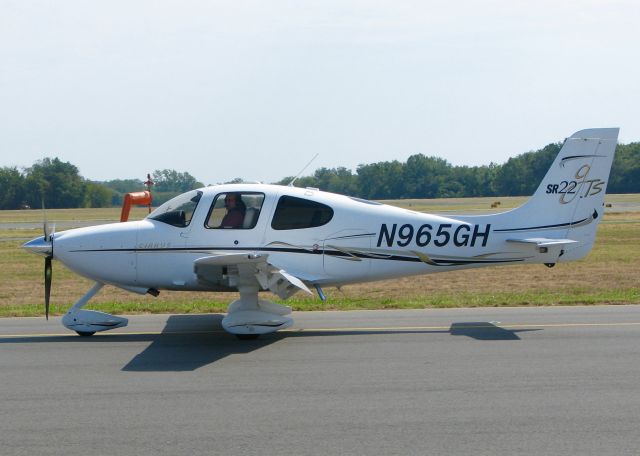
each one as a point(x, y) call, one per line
point(134, 198)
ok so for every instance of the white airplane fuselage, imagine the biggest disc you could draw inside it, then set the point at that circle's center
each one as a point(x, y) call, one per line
point(286, 239)
point(363, 241)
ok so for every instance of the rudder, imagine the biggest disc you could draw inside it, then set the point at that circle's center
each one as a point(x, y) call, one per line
point(569, 202)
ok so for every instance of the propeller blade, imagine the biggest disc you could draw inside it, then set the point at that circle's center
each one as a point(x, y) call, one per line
point(47, 284)
point(45, 224)
point(48, 272)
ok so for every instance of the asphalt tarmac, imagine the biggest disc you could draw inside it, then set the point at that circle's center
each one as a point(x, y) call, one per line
point(511, 381)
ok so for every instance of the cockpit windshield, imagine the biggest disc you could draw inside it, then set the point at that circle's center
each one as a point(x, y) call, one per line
point(178, 211)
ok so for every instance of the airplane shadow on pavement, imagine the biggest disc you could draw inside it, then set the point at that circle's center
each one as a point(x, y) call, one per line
point(189, 342)
point(481, 330)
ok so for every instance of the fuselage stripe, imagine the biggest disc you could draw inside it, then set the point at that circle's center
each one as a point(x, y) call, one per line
point(559, 225)
point(333, 253)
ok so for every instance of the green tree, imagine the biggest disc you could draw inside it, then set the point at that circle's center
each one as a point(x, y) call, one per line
point(380, 180)
point(337, 180)
point(169, 180)
point(521, 175)
point(97, 195)
point(56, 182)
point(625, 173)
point(11, 188)
point(424, 176)
point(125, 185)
point(120, 187)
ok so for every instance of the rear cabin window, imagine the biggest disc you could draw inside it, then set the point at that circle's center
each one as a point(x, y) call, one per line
point(297, 213)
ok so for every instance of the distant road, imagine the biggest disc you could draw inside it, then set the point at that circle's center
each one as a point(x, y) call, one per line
point(546, 380)
point(62, 225)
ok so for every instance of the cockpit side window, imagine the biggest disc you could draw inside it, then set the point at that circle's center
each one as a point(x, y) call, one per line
point(178, 211)
point(235, 210)
point(294, 213)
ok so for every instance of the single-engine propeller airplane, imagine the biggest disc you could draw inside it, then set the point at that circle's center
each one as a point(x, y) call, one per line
point(255, 237)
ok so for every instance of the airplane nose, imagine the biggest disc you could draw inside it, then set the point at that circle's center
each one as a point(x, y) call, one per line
point(39, 246)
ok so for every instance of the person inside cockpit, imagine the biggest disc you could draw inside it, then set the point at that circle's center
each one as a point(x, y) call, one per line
point(236, 210)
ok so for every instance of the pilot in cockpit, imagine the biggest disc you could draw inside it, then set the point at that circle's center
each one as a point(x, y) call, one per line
point(236, 210)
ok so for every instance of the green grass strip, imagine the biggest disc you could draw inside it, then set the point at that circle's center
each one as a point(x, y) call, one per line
point(435, 301)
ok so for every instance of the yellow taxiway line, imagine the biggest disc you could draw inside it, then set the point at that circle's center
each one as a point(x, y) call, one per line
point(497, 325)
point(487, 325)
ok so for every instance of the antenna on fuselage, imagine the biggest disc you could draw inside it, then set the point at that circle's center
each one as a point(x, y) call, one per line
point(302, 170)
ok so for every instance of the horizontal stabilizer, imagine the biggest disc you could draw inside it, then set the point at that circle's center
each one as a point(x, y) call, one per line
point(543, 242)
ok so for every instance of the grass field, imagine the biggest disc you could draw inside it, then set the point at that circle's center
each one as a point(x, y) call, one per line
point(609, 275)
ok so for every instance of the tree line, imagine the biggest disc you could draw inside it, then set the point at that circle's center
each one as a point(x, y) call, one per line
point(433, 177)
point(59, 185)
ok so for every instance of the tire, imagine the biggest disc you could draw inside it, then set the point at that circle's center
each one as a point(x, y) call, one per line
point(85, 333)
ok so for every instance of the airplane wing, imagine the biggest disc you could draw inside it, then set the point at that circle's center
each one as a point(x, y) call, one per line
point(249, 269)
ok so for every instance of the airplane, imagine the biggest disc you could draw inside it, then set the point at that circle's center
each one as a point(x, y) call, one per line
point(289, 239)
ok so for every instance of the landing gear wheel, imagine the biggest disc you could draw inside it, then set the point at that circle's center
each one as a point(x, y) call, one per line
point(247, 336)
point(85, 333)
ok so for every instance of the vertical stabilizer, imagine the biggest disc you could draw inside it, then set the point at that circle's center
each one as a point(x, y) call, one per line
point(569, 202)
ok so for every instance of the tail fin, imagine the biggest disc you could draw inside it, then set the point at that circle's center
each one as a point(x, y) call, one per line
point(568, 204)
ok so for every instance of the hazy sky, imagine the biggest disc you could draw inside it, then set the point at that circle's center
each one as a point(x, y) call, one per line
point(254, 89)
